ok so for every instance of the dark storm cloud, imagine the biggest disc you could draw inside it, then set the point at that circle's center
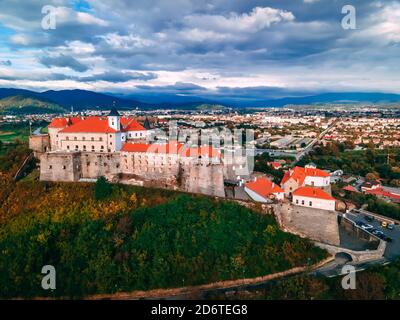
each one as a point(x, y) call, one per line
point(6, 63)
point(179, 87)
point(63, 61)
point(116, 76)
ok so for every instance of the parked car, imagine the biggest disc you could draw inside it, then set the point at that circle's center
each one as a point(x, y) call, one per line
point(387, 239)
point(369, 218)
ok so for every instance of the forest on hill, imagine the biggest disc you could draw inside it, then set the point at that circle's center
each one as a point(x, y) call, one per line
point(104, 238)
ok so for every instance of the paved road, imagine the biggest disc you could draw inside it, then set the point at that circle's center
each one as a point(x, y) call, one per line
point(334, 268)
point(37, 131)
point(392, 248)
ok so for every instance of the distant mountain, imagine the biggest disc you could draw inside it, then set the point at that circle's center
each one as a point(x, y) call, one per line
point(49, 101)
point(338, 97)
point(24, 104)
point(83, 99)
point(187, 102)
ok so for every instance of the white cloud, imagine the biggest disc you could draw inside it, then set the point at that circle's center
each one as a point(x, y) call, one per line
point(20, 39)
point(258, 19)
point(66, 15)
point(130, 41)
point(386, 24)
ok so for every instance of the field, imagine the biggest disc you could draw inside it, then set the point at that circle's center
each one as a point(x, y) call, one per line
point(9, 132)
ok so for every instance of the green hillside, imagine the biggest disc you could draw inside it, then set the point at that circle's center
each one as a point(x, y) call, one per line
point(21, 104)
point(135, 239)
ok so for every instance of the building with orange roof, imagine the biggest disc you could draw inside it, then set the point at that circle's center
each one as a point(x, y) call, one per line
point(94, 133)
point(85, 148)
point(308, 176)
point(313, 197)
point(263, 190)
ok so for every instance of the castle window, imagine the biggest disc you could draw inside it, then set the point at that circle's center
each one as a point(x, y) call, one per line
point(50, 167)
point(297, 201)
point(109, 150)
point(64, 167)
point(67, 138)
point(100, 139)
point(110, 136)
point(75, 138)
point(110, 143)
point(302, 202)
point(310, 203)
point(92, 139)
point(84, 138)
point(102, 147)
point(84, 148)
point(130, 135)
point(76, 148)
point(88, 163)
point(92, 148)
point(67, 147)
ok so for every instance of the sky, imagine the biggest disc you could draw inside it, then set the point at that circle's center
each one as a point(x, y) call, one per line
point(247, 48)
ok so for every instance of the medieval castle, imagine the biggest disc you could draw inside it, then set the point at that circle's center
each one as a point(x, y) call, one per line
point(83, 149)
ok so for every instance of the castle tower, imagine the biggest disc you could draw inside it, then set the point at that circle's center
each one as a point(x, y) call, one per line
point(114, 119)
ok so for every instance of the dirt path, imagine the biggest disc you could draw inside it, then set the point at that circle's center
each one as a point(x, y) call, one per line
point(196, 290)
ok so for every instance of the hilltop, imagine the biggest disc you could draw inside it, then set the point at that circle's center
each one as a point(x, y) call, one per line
point(28, 104)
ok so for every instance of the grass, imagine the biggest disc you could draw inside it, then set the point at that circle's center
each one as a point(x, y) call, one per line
point(21, 131)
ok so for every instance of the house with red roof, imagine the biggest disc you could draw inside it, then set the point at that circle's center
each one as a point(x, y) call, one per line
point(263, 190)
point(313, 197)
point(384, 193)
point(308, 176)
point(275, 165)
point(94, 133)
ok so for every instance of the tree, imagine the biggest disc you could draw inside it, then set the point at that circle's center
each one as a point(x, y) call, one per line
point(372, 176)
point(370, 286)
point(102, 189)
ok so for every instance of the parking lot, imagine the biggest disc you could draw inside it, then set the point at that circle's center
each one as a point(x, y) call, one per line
point(392, 248)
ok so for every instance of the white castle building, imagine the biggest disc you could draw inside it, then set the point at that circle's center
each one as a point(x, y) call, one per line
point(78, 149)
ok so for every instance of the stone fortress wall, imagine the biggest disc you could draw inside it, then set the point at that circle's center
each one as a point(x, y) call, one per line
point(188, 175)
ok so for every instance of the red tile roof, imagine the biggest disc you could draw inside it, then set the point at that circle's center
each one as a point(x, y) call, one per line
point(90, 125)
point(63, 122)
point(275, 164)
point(350, 188)
point(94, 124)
point(299, 174)
point(383, 193)
point(264, 187)
point(312, 192)
point(171, 148)
point(129, 124)
point(203, 151)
